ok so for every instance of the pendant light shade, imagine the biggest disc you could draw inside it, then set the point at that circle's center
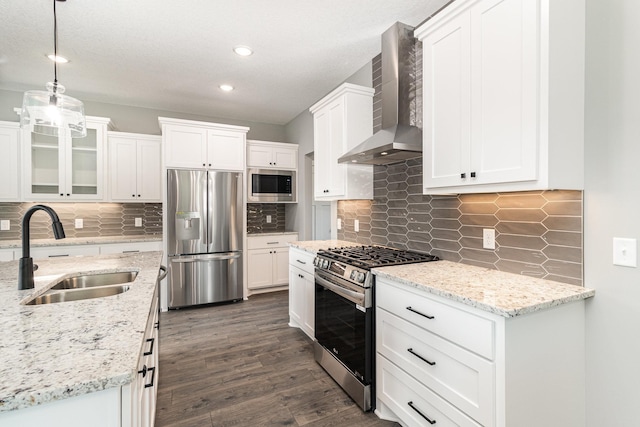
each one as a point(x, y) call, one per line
point(52, 113)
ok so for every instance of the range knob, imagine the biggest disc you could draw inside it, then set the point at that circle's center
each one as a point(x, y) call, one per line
point(360, 278)
point(325, 263)
point(353, 275)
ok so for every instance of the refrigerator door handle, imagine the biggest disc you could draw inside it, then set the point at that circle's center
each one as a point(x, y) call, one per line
point(215, 257)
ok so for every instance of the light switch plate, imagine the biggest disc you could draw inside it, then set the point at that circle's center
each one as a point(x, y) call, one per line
point(356, 225)
point(624, 252)
point(5, 225)
point(268, 219)
point(79, 223)
point(488, 238)
point(339, 224)
point(138, 222)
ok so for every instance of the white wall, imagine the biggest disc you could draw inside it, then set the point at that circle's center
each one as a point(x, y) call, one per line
point(612, 209)
point(143, 120)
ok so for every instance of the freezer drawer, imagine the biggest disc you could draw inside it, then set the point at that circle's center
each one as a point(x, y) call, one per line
point(203, 279)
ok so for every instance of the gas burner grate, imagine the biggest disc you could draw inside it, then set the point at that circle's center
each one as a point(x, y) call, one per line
point(368, 257)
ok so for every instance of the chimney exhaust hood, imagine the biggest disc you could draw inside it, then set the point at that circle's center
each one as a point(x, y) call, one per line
point(399, 139)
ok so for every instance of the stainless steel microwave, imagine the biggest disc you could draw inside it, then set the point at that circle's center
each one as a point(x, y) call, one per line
point(271, 186)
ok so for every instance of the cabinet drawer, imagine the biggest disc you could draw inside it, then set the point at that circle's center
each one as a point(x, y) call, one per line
point(398, 390)
point(302, 259)
point(263, 242)
point(459, 376)
point(461, 327)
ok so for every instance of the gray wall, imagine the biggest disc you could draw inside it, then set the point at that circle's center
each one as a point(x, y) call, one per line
point(143, 120)
point(300, 131)
point(612, 200)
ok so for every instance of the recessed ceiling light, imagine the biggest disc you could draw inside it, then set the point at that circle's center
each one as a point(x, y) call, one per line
point(59, 59)
point(226, 88)
point(243, 50)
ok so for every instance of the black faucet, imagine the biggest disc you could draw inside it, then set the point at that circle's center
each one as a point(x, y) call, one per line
point(25, 271)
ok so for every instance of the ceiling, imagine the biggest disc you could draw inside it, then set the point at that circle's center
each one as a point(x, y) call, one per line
point(172, 56)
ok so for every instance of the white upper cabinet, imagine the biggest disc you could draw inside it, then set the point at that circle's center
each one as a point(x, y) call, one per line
point(135, 167)
point(63, 168)
point(10, 161)
point(196, 145)
point(504, 96)
point(342, 120)
point(272, 155)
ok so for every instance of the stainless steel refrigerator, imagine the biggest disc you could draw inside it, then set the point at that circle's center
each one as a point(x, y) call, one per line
point(204, 229)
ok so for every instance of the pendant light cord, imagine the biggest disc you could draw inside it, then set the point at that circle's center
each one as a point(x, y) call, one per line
point(55, 48)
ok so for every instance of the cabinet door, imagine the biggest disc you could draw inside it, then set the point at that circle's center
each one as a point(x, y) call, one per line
point(259, 156)
point(149, 168)
point(446, 131)
point(308, 302)
point(329, 176)
point(122, 169)
point(43, 161)
point(83, 165)
point(226, 150)
point(296, 297)
point(186, 147)
point(280, 266)
point(504, 91)
point(285, 158)
point(9, 161)
point(259, 266)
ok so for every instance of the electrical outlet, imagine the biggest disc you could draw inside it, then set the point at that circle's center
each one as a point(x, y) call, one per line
point(138, 222)
point(356, 225)
point(79, 223)
point(624, 252)
point(339, 224)
point(488, 238)
point(5, 225)
point(268, 219)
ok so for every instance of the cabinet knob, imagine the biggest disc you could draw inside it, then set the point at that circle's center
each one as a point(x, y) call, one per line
point(133, 195)
point(463, 175)
point(61, 194)
point(209, 164)
point(68, 194)
point(204, 164)
point(473, 174)
point(138, 195)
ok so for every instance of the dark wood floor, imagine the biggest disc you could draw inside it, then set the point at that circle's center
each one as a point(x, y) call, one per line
point(242, 365)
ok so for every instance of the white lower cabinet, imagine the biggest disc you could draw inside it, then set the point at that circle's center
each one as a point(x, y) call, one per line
point(440, 362)
point(268, 260)
point(302, 291)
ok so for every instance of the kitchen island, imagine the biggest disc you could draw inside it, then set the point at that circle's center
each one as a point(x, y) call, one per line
point(61, 352)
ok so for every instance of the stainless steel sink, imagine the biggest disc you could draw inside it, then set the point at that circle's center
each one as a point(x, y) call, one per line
point(93, 280)
point(79, 294)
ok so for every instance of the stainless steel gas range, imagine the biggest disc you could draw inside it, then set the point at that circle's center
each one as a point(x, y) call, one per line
point(344, 314)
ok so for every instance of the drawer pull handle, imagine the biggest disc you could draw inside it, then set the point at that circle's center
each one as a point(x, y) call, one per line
point(301, 262)
point(410, 350)
point(421, 314)
point(150, 352)
point(412, 406)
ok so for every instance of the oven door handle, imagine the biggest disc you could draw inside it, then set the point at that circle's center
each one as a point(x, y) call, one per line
point(352, 296)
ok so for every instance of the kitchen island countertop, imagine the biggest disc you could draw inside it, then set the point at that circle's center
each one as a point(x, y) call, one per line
point(56, 351)
point(498, 292)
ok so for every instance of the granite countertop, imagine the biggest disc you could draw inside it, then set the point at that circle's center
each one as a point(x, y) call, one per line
point(69, 241)
point(494, 291)
point(272, 233)
point(55, 351)
point(314, 246)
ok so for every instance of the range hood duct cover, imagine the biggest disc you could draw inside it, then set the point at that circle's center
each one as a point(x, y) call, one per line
point(399, 138)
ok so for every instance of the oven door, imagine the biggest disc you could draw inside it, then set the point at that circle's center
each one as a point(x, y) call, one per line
point(344, 323)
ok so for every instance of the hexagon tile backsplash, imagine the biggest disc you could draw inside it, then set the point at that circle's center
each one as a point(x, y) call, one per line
point(99, 219)
point(537, 233)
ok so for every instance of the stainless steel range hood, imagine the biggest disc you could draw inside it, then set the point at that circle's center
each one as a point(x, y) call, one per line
point(399, 139)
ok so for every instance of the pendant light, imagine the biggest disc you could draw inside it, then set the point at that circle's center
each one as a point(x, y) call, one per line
point(51, 112)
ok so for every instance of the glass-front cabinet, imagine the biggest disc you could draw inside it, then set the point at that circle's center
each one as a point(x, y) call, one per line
point(63, 168)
